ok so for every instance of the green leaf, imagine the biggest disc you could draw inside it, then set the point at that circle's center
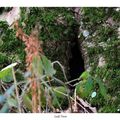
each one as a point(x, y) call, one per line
point(59, 98)
point(6, 73)
point(27, 102)
point(103, 90)
point(12, 102)
point(84, 88)
point(37, 66)
point(89, 85)
point(84, 75)
point(60, 89)
point(47, 65)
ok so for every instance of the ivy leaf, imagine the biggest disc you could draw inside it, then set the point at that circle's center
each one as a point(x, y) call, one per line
point(47, 65)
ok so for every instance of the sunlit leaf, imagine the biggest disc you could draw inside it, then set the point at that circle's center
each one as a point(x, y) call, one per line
point(93, 94)
point(9, 66)
point(84, 75)
point(6, 73)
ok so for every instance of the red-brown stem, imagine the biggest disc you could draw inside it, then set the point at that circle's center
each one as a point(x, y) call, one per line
point(32, 49)
point(34, 96)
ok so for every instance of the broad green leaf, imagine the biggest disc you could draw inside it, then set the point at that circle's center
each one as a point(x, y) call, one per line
point(80, 90)
point(10, 66)
point(60, 89)
point(59, 99)
point(84, 75)
point(47, 65)
point(84, 88)
point(12, 102)
point(89, 84)
point(6, 73)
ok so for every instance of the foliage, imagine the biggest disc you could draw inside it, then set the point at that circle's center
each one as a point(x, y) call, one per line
point(86, 87)
point(56, 94)
point(103, 24)
point(100, 86)
point(11, 49)
point(55, 23)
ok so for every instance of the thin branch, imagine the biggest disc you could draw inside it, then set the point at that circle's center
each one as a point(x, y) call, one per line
point(75, 101)
point(39, 94)
point(17, 93)
point(72, 99)
point(61, 68)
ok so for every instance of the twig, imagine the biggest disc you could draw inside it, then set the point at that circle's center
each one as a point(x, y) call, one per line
point(26, 86)
point(39, 94)
point(72, 81)
point(75, 102)
point(60, 81)
point(72, 99)
point(17, 94)
point(61, 68)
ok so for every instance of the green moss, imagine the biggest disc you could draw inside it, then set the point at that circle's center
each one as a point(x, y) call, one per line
point(94, 20)
point(56, 23)
point(57, 27)
point(12, 49)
